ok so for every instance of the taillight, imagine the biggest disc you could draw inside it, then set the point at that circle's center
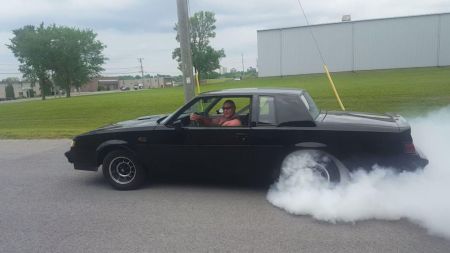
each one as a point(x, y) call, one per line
point(409, 148)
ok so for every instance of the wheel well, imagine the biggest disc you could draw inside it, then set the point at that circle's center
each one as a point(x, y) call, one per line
point(101, 155)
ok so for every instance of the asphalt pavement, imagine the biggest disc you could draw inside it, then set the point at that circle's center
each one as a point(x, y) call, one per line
point(46, 206)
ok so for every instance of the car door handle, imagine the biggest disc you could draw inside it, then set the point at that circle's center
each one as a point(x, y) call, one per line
point(242, 136)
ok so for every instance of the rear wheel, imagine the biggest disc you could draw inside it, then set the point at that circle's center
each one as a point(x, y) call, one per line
point(319, 163)
point(123, 171)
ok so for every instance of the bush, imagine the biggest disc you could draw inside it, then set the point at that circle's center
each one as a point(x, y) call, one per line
point(9, 92)
point(212, 75)
point(30, 93)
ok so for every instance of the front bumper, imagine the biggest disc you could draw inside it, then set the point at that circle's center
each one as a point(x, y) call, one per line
point(68, 155)
point(77, 160)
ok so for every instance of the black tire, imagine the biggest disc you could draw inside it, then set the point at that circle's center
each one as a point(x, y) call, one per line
point(323, 164)
point(123, 171)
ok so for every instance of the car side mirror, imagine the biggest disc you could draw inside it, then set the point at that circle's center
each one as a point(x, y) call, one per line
point(177, 125)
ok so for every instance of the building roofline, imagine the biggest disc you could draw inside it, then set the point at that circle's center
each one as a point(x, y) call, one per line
point(355, 21)
point(251, 91)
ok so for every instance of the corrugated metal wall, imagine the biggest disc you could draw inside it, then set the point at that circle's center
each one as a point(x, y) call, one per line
point(444, 42)
point(418, 41)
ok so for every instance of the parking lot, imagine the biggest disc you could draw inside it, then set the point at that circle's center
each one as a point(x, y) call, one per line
point(46, 206)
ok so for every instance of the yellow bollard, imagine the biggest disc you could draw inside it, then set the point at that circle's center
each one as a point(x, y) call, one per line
point(333, 87)
point(197, 82)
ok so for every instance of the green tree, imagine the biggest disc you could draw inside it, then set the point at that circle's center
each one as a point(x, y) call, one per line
point(30, 45)
point(76, 56)
point(204, 58)
point(67, 56)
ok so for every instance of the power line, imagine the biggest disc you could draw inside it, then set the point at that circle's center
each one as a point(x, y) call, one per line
point(242, 55)
point(135, 67)
point(119, 73)
point(312, 34)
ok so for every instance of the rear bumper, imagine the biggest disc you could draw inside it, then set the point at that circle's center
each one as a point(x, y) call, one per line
point(418, 160)
point(402, 162)
point(77, 161)
point(405, 162)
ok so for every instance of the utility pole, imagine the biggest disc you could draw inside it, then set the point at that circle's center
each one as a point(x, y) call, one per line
point(242, 76)
point(142, 68)
point(185, 46)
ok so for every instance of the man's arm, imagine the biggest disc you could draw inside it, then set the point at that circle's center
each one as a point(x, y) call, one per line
point(205, 121)
point(231, 123)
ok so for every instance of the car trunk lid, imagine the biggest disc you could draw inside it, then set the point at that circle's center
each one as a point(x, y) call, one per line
point(363, 120)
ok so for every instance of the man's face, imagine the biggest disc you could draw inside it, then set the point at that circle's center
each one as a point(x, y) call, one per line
point(228, 110)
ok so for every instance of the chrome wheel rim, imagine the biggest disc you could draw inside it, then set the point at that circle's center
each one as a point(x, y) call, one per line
point(320, 171)
point(122, 170)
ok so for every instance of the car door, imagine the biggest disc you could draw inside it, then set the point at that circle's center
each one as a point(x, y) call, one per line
point(207, 149)
point(217, 149)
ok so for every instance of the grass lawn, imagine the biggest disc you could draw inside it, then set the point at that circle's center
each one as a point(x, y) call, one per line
point(408, 91)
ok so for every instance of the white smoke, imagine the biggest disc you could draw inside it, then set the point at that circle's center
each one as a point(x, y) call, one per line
point(421, 196)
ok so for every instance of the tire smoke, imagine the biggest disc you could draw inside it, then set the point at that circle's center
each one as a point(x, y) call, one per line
point(420, 196)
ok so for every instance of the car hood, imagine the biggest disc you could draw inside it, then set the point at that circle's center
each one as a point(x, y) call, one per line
point(361, 121)
point(141, 122)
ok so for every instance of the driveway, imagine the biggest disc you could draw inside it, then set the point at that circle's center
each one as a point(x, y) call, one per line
point(46, 206)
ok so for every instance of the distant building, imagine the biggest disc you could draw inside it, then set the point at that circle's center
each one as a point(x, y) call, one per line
point(21, 90)
point(102, 83)
point(113, 83)
point(223, 70)
point(149, 83)
point(26, 89)
point(386, 43)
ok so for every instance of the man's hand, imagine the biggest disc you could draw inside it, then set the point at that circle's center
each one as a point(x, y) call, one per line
point(195, 117)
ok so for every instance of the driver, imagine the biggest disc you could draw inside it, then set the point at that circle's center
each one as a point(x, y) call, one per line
point(229, 118)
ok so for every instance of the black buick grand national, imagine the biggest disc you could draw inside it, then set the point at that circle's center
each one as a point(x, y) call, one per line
point(274, 124)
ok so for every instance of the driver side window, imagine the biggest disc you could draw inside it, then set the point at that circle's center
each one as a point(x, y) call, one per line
point(200, 106)
point(242, 106)
point(210, 112)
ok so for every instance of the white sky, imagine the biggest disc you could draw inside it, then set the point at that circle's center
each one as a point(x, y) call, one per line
point(140, 28)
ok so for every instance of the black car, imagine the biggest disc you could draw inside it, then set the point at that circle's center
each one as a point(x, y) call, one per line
point(275, 123)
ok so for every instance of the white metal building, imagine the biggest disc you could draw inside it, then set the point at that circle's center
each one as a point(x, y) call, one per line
point(21, 90)
point(402, 42)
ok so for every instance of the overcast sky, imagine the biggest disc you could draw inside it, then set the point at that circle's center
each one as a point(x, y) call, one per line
point(144, 28)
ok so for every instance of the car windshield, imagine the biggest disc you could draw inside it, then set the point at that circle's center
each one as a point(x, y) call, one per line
point(313, 110)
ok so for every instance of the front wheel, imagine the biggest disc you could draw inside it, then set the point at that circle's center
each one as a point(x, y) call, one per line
point(123, 171)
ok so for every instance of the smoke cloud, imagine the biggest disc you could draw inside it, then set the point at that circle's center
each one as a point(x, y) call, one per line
point(420, 196)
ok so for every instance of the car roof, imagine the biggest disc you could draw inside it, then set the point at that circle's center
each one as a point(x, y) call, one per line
point(253, 91)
